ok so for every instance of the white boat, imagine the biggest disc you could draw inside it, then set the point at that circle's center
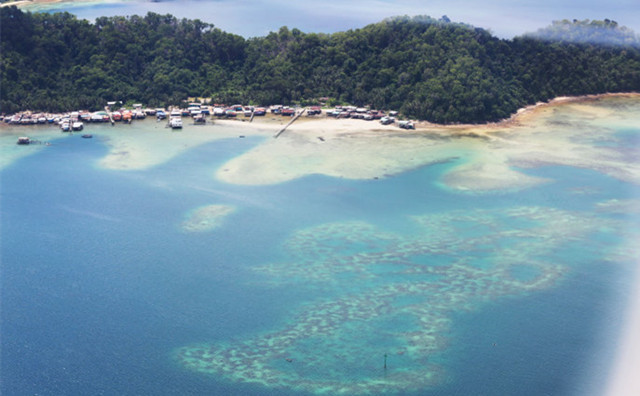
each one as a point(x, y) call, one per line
point(77, 126)
point(406, 125)
point(175, 123)
point(199, 118)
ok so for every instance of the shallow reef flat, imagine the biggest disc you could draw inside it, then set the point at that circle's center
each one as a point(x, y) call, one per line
point(393, 295)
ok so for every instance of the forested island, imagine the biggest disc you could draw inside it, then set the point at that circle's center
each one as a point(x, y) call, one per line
point(429, 69)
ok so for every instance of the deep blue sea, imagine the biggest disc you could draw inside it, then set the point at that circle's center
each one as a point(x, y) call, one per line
point(313, 281)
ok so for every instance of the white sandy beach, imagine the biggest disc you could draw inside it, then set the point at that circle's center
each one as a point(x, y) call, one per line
point(154, 144)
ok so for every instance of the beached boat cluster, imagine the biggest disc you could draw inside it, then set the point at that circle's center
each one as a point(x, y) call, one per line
point(199, 113)
point(363, 113)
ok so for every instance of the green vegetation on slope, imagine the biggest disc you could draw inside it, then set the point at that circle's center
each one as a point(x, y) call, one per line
point(429, 69)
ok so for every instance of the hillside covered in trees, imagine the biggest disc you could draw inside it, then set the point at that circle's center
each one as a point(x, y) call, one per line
point(428, 69)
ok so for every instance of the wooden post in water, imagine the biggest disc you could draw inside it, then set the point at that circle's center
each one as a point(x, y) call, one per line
point(385, 361)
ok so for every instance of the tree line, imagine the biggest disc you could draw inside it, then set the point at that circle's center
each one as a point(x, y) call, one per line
point(427, 68)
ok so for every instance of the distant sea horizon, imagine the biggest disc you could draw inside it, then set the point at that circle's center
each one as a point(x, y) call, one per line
point(256, 19)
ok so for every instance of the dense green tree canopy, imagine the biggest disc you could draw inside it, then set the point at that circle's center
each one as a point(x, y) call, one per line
point(428, 69)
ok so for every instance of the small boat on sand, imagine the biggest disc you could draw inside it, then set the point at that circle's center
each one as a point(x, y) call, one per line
point(175, 123)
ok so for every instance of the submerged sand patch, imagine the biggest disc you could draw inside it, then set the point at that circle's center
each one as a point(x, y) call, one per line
point(361, 154)
point(206, 218)
point(147, 144)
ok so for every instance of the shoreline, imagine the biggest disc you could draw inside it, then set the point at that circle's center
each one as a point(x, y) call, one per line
point(525, 112)
point(22, 3)
point(485, 154)
point(516, 119)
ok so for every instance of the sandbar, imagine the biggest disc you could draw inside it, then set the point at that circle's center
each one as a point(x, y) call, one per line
point(206, 218)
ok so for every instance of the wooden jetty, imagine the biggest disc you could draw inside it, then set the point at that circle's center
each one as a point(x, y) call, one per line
point(295, 117)
point(108, 110)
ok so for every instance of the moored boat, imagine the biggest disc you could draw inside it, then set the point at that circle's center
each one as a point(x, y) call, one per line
point(199, 119)
point(387, 120)
point(287, 112)
point(99, 116)
point(175, 123)
point(406, 125)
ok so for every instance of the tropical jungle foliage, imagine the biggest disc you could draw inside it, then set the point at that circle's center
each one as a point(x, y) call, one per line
point(428, 69)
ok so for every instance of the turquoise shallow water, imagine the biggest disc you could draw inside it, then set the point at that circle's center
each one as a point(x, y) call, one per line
point(307, 285)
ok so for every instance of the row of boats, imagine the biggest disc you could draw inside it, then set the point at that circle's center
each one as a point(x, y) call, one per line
point(73, 121)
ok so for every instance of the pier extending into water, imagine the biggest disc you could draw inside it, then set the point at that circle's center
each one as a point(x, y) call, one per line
point(295, 117)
